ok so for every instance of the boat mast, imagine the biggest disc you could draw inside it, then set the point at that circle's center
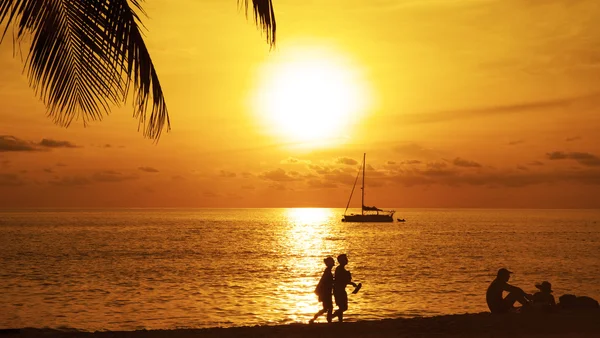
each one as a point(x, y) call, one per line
point(362, 201)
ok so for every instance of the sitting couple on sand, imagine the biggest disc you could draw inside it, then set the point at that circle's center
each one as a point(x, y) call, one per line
point(542, 300)
point(329, 284)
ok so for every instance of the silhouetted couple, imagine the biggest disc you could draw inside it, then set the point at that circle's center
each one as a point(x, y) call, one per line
point(329, 284)
point(541, 300)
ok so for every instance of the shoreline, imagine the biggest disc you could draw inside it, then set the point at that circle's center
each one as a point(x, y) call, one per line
point(571, 324)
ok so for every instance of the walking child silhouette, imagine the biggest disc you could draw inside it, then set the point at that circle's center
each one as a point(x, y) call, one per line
point(324, 289)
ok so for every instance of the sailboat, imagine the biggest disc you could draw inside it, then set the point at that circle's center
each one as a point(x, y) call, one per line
point(368, 214)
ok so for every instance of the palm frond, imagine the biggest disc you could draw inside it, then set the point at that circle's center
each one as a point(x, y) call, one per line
point(84, 56)
point(264, 16)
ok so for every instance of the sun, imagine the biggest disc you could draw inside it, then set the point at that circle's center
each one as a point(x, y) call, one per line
point(310, 96)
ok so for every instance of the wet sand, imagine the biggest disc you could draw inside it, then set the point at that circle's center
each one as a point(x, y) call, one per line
point(467, 325)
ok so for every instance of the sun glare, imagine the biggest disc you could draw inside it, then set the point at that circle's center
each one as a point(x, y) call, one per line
point(310, 96)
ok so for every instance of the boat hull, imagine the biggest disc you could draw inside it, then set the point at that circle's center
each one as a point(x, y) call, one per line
point(368, 218)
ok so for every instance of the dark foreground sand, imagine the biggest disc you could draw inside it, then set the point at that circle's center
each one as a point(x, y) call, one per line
point(467, 325)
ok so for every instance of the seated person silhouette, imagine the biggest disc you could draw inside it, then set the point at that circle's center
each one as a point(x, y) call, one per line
point(543, 299)
point(494, 295)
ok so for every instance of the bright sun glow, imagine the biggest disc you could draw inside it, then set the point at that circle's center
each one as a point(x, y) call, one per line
point(310, 96)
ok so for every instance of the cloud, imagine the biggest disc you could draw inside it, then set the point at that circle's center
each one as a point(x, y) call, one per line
point(178, 178)
point(505, 178)
point(293, 160)
point(437, 165)
point(536, 163)
point(557, 155)
point(346, 161)
point(339, 176)
point(148, 169)
point(461, 162)
point(320, 184)
point(228, 174)
point(112, 176)
point(11, 143)
point(5, 163)
point(441, 116)
point(210, 194)
point(234, 196)
point(416, 150)
point(247, 175)
point(438, 172)
point(514, 143)
point(277, 175)
point(248, 187)
point(395, 164)
point(294, 174)
point(574, 138)
point(10, 180)
point(290, 160)
point(71, 181)
point(49, 143)
point(583, 158)
point(278, 186)
point(48, 170)
point(321, 170)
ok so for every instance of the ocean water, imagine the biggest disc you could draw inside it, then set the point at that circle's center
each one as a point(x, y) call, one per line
point(152, 268)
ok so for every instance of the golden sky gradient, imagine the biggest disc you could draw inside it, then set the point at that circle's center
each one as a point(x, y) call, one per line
point(457, 103)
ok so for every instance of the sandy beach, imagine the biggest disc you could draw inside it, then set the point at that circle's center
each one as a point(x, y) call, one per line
point(466, 325)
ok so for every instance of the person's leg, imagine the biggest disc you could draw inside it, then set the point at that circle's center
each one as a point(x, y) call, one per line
point(328, 307)
point(322, 311)
point(329, 315)
point(513, 297)
point(316, 316)
point(342, 305)
point(336, 296)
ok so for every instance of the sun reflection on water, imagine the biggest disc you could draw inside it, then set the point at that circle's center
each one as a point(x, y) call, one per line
point(306, 239)
point(307, 227)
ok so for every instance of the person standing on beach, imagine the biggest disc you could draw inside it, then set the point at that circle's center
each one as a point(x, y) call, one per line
point(494, 295)
point(341, 279)
point(323, 291)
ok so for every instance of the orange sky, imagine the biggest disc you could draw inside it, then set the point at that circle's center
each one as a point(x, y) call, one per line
point(457, 103)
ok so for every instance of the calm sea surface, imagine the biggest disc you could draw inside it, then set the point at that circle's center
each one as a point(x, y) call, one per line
point(140, 268)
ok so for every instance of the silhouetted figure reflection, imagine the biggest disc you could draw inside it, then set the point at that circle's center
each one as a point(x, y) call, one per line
point(324, 289)
point(341, 279)
point(544, 300)
point(494, 295)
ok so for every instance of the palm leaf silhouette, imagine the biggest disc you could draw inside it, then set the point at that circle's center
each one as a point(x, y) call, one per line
point(87, 55)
